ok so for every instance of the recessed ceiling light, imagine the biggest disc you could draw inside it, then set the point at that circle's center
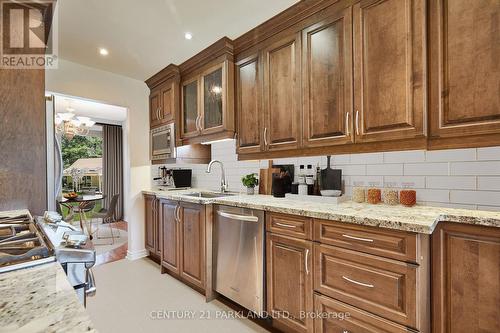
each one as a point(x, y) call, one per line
point(103, 51)
point(188, 35)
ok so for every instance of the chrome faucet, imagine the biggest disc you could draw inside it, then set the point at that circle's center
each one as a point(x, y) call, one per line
point(223, 182)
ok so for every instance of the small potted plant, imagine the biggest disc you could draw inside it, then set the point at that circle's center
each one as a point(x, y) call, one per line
point(250, 181)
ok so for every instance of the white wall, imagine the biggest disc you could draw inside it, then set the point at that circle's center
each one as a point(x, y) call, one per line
point(86, 82)
point(465, 178)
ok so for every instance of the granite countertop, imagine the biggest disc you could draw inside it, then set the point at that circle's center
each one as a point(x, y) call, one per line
point(40, 299)
point(420, 219)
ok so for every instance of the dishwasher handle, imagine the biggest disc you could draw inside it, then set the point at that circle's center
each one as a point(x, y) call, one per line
point(247, 218)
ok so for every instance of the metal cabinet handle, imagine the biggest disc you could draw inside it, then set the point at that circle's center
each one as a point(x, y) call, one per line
point(347, 124)
point(198, 123)
point(247, 218)
point(358, 238)
point(265, 136)
point(177, 214)
point(158, 113)
point(357, 122)
point(285, 225)
point(306, 262)
point(357, 282)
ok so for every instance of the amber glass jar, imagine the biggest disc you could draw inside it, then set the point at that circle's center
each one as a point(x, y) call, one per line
point(374, 196)
point(408, 197)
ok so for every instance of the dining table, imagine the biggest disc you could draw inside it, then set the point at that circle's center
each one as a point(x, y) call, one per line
point(83, 202)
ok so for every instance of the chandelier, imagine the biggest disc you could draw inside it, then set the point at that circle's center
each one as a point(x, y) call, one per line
point(69, 126)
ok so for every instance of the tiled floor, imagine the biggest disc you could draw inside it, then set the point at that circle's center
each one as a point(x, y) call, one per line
point(115, 254)
point(132, 296)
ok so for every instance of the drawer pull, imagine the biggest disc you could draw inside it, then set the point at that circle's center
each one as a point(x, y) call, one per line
point(357, 282)
point(359, 238)
point(285, 225)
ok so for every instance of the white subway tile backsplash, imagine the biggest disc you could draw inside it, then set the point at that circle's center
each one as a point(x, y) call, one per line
point(352, 170)
point(411, 156)
point(447, 178)
point(384, 169)
point(488, 183)
point(426, 169)
point(485, 198)
point(451, 155)
point(433, 195)
point(489, 153)
point(341, 159)
point(489, 208)
point(377, 181)
point(370, 158)
point(490, 168)
point(451, 182)
point(415, 182)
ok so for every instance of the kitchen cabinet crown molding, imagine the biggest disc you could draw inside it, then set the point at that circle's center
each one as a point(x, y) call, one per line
point(221, 49)
point(170, 72)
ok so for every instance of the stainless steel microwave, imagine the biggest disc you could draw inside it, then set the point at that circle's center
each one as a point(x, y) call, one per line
point(162, 142)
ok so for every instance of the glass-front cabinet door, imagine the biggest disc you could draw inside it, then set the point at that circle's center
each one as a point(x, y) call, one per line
point(190, 115)
point(213, 99)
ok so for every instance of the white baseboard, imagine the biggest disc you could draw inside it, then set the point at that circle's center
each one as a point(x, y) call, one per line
point(137, 254)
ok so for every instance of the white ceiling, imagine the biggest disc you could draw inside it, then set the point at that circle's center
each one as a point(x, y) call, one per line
point(143, 36)
point(99, 112)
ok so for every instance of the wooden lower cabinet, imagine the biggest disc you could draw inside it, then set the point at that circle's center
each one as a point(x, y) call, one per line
point(192, 243)
point(334, 316)
point(466, 279)
point(381, 286)
point(183, 241)
point(170, 240)
point(289, 283)
point(152, 239)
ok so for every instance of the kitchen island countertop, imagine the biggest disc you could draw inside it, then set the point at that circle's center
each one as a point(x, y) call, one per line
point(420, 219)
point(40, 299)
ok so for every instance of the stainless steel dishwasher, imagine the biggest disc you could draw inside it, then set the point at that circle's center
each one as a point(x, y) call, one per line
point(239, 256)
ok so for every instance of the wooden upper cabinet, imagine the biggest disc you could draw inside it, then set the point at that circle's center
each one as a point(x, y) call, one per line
point(190, 114)
point(207, 102)
point(213, 99)
point(465, 278)
point(282, 94)
point(154, 108)
point(464, 67)
point(389, 69)
point(327, 81)
point(249, 105)
point(168, 95)
point(164, 96)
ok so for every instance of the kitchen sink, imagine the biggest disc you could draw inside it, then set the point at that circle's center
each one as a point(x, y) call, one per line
point(208, 195)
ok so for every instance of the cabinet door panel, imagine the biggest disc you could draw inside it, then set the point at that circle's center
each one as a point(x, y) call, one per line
point(213, 94)
point(168, 103)
point(249, 107)
point(150, 216)
point(190, 109)
point(327, 80)
point(466, 278)
point(389, 69)
point(193, 244)
point(289, 272)
point(154, 108)
point(170, 236)
point(465, 71)
point(282, 93)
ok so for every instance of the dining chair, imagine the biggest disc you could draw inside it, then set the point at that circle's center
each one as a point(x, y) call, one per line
point(108, 216)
